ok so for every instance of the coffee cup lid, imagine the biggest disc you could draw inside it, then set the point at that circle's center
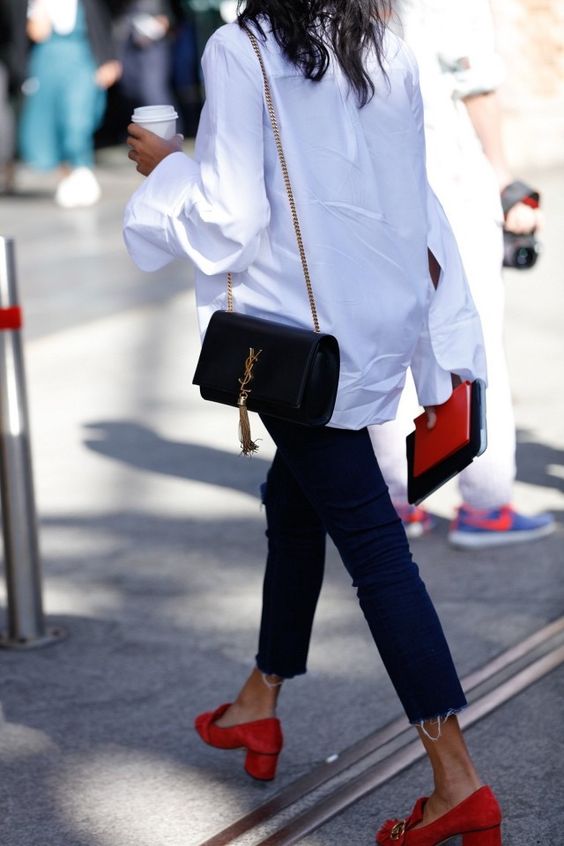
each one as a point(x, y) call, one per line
point(161, 119)
point(154, 112)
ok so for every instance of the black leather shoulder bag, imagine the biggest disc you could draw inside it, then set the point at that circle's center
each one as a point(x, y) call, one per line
point(263, 365)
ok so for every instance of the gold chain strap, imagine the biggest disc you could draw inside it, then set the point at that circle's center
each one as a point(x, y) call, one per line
point(288, 184)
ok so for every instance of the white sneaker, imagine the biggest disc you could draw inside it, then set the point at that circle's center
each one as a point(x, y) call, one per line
point(79, 188)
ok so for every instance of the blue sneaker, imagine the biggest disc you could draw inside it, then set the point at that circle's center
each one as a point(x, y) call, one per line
point(477, 527)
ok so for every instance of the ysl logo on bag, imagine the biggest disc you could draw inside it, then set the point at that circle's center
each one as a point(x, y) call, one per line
point(248, 446)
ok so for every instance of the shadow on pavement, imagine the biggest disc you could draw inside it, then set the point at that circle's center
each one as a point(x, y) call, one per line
point(539, 464)
point(97, 745)
point(138, 446)
point(162, 616)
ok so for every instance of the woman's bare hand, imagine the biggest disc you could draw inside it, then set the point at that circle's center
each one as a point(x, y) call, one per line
point(39, 26)
point(148, 150)
point(522, 219)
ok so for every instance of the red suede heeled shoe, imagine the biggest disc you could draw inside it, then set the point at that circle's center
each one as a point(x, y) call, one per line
point(261, 738)
point(476, 820)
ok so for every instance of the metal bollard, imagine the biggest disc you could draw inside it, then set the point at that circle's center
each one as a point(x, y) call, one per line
point(26, 623)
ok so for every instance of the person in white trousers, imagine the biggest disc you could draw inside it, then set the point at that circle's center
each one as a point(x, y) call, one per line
point(453, 41)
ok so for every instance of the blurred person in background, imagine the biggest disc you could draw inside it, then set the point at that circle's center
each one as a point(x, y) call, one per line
point(7, 128)
point(453, 41)
point(207, 18)
point(72, 62)
point(197, 20)
point(141, 31)
point(13, 44)
point(186, 70)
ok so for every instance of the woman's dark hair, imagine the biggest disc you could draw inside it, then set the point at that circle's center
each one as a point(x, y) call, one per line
point(306, 29)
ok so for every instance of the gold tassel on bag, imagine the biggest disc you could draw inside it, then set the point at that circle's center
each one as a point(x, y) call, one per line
point(248, 446)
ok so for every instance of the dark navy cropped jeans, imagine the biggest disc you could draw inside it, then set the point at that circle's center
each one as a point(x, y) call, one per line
point(327, 481)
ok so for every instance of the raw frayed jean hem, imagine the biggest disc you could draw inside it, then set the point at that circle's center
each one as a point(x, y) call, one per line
point(438, 720)
point(286, 676)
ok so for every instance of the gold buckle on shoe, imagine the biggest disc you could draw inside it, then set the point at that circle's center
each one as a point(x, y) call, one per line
point(398, 830)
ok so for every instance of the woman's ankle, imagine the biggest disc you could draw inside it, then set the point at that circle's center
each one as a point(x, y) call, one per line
point(256, 700)
point(261, 702)
point(454, 774)
point(260, 690)
point(455, 790)
point(240, 712)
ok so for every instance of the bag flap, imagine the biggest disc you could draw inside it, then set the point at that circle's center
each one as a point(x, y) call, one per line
point(279, 373)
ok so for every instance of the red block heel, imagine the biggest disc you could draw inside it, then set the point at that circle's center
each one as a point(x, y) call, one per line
point(263, 766)
point(489, 837)
point(477, 820)
point(262, 739)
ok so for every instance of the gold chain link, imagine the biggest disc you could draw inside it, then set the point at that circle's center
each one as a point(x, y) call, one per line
point(288, 184)
point(229, 292)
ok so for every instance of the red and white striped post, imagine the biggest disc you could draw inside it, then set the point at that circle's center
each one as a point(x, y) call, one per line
point(26, 623)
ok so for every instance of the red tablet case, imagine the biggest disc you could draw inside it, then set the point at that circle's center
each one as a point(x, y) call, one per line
point(450, 434)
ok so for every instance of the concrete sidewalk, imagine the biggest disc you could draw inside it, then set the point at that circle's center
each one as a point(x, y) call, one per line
point(153, 548)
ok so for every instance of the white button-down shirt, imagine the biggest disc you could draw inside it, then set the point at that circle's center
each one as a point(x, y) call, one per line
point(366, 212)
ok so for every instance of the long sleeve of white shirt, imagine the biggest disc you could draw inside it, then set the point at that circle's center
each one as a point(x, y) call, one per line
point(213, 210)
point(366, 212)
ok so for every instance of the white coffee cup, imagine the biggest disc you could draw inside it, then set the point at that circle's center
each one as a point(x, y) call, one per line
point(158, 119)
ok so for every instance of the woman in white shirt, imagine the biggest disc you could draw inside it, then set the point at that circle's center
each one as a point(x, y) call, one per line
point(347, 98)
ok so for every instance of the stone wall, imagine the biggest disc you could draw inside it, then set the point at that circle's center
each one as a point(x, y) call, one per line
point(531, 41)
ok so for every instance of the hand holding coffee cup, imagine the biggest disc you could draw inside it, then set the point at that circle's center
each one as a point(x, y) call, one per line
point(151, 136)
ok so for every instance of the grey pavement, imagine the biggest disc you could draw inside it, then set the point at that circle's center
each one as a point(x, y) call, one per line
point(153, 548)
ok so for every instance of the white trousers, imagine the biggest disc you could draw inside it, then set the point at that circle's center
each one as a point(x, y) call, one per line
point(471, 202)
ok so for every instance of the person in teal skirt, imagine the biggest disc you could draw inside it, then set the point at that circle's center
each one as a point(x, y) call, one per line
point(71, 65)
